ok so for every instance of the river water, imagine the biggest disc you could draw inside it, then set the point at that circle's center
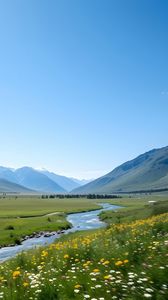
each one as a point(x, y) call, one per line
point(79, 221)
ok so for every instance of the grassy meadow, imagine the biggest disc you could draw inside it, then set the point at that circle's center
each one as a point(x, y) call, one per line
point(21, 216)
point(136, 208)
point(37, 206)
point(127, 260)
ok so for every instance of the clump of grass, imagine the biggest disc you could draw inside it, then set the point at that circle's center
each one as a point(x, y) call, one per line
point(125, 261)
point(9, 227)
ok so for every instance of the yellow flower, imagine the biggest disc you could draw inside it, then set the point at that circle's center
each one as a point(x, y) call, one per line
point(119, 263)
point(107, 277)
point(44, 253)
point(96, 270)
point(77, 286)
point(25, 284)
point(66, 256)
point(15, 274)
point(106, 262)
point(126, 261)
point(85, 265)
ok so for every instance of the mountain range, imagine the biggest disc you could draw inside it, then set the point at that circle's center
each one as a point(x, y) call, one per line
point(145, 172)
point(27, 179)
point(148, 171)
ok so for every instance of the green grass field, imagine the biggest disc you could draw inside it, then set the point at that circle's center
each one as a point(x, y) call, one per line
point(136, 208)
point(21, 216)
point(36, 206)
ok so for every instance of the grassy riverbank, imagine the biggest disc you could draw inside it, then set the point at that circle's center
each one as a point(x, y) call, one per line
point(23, 216)
point(125, 261)
point(136, 208)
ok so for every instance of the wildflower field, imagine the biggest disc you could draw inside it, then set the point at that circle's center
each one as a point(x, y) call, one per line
point(125, 261)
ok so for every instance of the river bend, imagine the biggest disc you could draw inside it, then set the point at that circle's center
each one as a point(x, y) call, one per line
point(80, 221)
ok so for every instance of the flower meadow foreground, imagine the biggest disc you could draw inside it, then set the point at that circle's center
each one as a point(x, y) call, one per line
point(126, 261)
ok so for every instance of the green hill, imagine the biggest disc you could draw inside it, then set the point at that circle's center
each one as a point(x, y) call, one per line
point(147, 171)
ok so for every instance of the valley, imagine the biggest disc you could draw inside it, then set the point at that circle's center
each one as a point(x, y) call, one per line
point(119, 252)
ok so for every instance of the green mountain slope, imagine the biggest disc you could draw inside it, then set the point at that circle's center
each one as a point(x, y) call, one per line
point(11, 187)
point(147, 171)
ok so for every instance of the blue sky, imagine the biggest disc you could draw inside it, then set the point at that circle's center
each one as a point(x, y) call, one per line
point(83, 84)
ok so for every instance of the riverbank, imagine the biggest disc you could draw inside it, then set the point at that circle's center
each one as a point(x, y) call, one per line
point(135, 209)
point(79, 221)
point(36, 235)
point(46, 215)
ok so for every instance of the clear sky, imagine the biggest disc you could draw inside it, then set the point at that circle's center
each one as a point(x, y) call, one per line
point(83, 84)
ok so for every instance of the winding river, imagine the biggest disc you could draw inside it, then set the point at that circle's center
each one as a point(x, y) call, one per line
point(80, 221)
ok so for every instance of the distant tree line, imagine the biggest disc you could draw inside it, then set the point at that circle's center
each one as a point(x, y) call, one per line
point(88, 196)
point(106, 196)
point(61, 196)
point(149, 191)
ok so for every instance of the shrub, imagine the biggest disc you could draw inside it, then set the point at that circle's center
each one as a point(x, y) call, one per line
point(9, 227)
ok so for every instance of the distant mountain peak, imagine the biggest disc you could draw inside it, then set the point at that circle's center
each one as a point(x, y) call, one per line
point(39, 179)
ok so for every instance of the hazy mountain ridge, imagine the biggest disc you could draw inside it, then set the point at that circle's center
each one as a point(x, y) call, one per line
point(11, 187)
point(8, 174)
point(35, 180)
point(67, 183)
point(40, 180)
point(31, 179)
point(147, 171)
point(81, 182)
